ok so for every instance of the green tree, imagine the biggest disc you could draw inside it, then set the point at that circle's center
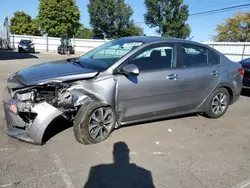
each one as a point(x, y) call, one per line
point(84, 33)
point(22, 24)
point(59, 17)
point(133, 30)
point(169, 16)
point(235, 29)
point(112, 18)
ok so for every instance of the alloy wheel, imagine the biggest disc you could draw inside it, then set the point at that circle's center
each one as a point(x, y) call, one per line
point(219, 103)
point(100, 123)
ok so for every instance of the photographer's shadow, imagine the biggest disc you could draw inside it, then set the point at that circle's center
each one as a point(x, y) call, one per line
point(119, 174)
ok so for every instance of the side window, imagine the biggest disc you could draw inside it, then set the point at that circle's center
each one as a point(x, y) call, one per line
point(211, 59)
point(156, 58)
point(192, 56)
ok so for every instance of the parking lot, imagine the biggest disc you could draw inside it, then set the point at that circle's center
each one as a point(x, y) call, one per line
point(188, 152)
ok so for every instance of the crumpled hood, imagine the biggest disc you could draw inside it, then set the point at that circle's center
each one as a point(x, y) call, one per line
point(55, 71)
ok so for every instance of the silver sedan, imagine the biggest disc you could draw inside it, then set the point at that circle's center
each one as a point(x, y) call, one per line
point(125, 81)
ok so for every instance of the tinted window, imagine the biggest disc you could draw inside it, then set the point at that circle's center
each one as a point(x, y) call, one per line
point(211, 59)
point(155, 58)
point(195, 56)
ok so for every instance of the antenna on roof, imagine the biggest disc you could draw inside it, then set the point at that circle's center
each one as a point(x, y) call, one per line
point(191, 38)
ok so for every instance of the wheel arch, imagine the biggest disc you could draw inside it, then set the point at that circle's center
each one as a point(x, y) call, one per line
point(230, 91)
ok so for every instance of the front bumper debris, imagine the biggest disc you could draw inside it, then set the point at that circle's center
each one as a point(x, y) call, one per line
point(29, 129)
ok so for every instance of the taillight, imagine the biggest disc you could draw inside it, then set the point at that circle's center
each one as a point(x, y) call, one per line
point(241, 71)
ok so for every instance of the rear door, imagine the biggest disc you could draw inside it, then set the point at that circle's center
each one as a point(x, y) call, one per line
point(200, 72)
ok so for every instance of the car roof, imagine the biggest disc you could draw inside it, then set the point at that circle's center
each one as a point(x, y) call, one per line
point(25, 40)
point(149, 39)
point(247, 60)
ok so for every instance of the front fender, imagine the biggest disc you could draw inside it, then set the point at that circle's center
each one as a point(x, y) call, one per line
point(102, 90)
point(45, 115)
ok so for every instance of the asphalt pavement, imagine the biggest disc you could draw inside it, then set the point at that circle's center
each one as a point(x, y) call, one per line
point(184, 152)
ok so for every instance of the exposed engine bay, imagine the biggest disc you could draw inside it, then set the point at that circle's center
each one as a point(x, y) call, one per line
point(30, 108)
point(54, 94)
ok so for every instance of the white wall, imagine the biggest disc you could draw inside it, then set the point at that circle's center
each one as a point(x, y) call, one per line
point(81, 45)
point(236, 51)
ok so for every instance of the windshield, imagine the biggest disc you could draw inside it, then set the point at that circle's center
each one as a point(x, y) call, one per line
point(102, 57)
point(25, 41)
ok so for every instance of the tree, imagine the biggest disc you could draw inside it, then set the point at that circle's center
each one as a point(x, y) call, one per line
point(169, 16)
point(59, 17)
point(132, 30)
point(112, 18)
point(84, 33)
point(235, 29)
point(22, 24)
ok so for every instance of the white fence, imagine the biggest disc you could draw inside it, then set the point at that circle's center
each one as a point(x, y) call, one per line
point(236, 51)
point(50, 44)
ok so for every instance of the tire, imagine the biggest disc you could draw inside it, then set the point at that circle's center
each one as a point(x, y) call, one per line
point(83, 132)
point(214, 108)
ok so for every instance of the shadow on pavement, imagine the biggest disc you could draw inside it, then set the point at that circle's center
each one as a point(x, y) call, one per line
point(121, 173)
point(55, 127)
point(147, 122)
point(10, 55)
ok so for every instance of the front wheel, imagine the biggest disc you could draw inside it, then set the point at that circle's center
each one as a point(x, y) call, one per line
point(217, 103)
point(93, 123)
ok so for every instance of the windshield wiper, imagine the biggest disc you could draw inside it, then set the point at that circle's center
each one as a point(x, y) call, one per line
point(76, 60)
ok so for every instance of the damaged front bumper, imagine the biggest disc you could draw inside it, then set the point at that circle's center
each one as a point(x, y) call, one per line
point(25, 121)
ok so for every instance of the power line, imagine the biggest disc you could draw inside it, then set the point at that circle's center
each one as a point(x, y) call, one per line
point(214, 11)
point(221, 9)
point(217, 5)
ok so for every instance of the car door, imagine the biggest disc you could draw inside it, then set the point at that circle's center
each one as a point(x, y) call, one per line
point(155, 91)
point(200, 72)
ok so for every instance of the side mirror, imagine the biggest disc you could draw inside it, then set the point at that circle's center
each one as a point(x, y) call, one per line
point(131, 69)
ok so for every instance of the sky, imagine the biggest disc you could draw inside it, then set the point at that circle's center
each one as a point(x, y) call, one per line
point(203, 26)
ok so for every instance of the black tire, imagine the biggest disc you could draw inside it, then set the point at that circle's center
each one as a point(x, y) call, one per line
point(82, 119)
point(209, 107)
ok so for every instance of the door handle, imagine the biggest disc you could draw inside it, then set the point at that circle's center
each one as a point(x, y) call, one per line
point(215, 73)
point(173, 76)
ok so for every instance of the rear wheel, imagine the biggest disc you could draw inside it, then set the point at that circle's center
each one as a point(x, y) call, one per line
point(94, 123)
point(218, 103)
